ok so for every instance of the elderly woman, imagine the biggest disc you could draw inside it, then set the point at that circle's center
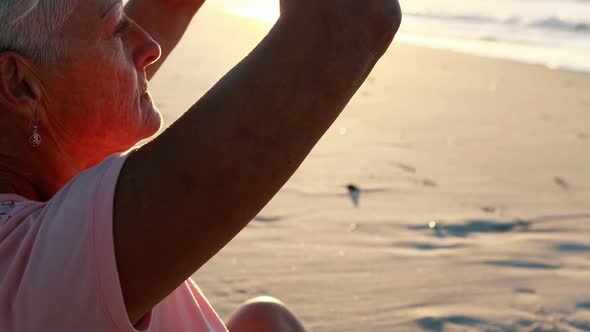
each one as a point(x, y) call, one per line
point(97, 237)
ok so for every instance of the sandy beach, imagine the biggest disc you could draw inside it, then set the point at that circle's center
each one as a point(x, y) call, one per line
point(474, 204)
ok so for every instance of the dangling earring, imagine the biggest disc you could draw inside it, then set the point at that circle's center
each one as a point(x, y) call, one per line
point(35, 139)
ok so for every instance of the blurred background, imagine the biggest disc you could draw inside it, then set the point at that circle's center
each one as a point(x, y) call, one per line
point(555, 33)
point(453, 193)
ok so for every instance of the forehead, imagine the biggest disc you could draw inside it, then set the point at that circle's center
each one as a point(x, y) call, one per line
point(94, 8)
point(87, 15)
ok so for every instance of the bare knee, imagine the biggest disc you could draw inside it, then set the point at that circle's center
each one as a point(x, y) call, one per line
point(264, 314)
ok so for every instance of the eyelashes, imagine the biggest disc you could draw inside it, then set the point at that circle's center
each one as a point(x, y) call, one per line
point(123, 25)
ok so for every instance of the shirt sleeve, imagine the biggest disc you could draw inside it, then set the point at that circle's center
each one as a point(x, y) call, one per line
point(70, 280)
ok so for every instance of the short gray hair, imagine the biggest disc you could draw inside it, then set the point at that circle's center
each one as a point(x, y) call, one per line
point(32, 27)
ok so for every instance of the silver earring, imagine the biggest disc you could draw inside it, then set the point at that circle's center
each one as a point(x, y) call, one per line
point(35, 139)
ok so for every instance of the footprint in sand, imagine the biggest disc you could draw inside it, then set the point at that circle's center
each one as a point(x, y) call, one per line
point(436, 324)
point(267, 219)
point(525, 291)
point(429, 183)
point(488, 209)
point(405, 167)
point(426, 182)
point(471, 227)
point(431, 246)
point(522, 265)
point(572, 247)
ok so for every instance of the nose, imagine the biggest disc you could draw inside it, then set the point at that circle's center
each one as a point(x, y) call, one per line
point(147, 51)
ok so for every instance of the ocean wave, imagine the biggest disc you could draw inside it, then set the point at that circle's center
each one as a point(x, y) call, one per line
point(556, 23)
point(552, 23)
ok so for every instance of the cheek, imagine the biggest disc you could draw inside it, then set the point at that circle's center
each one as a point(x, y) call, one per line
point(118, 81)
point(121, 88)
point(95, 92)
point(114, 89)
point(101, 78)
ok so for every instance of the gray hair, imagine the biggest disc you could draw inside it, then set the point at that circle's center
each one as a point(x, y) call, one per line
point(32, 27)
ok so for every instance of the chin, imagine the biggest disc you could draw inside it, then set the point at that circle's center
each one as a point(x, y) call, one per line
point(156, 124)
point(152, 119)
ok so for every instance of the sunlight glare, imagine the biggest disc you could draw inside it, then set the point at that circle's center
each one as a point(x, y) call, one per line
point(263, 12)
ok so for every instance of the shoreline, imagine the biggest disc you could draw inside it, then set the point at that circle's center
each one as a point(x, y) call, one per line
point(552, 58)
point(483, 49)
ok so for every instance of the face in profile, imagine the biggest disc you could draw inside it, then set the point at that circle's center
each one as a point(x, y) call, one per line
point(96, 93)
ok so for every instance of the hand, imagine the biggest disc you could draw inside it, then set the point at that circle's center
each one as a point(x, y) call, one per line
point(374, 21)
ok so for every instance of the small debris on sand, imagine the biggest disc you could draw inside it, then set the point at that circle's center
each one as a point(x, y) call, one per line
point(354, 193)
point(488, 209)
point(561, 182)
point(429, 183)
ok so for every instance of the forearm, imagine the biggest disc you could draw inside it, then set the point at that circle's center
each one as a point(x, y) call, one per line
point(165, 20)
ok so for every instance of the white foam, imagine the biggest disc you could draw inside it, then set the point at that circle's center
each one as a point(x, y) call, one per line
point(558, 59)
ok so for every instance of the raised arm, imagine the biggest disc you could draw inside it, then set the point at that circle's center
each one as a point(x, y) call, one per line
point(185, 195)
point(165, 20)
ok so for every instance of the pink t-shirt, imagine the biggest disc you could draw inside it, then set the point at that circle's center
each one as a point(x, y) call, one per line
point(58, 270)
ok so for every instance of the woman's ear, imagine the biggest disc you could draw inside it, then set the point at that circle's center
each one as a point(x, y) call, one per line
point(20, 89)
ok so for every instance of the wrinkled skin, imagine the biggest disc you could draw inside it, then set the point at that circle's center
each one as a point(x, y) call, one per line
point(90, 104)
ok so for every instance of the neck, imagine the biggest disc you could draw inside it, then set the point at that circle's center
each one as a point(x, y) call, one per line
point(36, 173)
point(30, 178)
point(25, 190)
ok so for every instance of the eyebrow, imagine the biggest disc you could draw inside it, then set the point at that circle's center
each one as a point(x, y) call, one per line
point(111, 6)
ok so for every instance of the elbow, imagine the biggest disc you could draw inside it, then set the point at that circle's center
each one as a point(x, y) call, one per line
point(395, 19)
point(386, 23)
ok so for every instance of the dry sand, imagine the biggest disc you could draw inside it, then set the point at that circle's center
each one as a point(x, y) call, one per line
point(495, 153)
